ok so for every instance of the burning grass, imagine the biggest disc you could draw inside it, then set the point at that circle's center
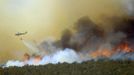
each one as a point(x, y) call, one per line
point(85, 68)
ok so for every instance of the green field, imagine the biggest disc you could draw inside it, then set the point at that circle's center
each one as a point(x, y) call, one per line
point(85, 68)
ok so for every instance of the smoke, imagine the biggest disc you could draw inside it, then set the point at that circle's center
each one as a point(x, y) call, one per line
point(14, 63)
point(31, 46)
point(88, 36)
point(129, 7)
point(61, 56)
point(87, 41)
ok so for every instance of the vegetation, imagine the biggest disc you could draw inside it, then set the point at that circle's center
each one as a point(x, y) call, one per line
point(85, 68)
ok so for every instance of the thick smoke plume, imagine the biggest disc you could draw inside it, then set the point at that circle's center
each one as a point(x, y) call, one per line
point(87, 41)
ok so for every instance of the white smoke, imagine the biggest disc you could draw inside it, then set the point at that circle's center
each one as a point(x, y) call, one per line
point(31, 46)
point(14, 63)
point(61, 56)
point(129, 7)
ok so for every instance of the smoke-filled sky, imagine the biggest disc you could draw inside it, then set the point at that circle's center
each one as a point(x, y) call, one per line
point(46, 18)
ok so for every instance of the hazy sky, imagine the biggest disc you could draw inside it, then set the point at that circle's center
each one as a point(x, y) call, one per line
point(44, 18)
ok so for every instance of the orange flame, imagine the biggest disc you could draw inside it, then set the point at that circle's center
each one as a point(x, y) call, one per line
point(26, 58)
point(37, 59)
point(124, 47)
point(101, 53)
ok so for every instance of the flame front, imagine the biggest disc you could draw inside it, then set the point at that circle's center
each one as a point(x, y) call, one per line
point(101, 53)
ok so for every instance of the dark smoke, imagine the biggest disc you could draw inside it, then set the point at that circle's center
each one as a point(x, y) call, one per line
point(88, 36)
point(127, 27)
point(65, 38)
